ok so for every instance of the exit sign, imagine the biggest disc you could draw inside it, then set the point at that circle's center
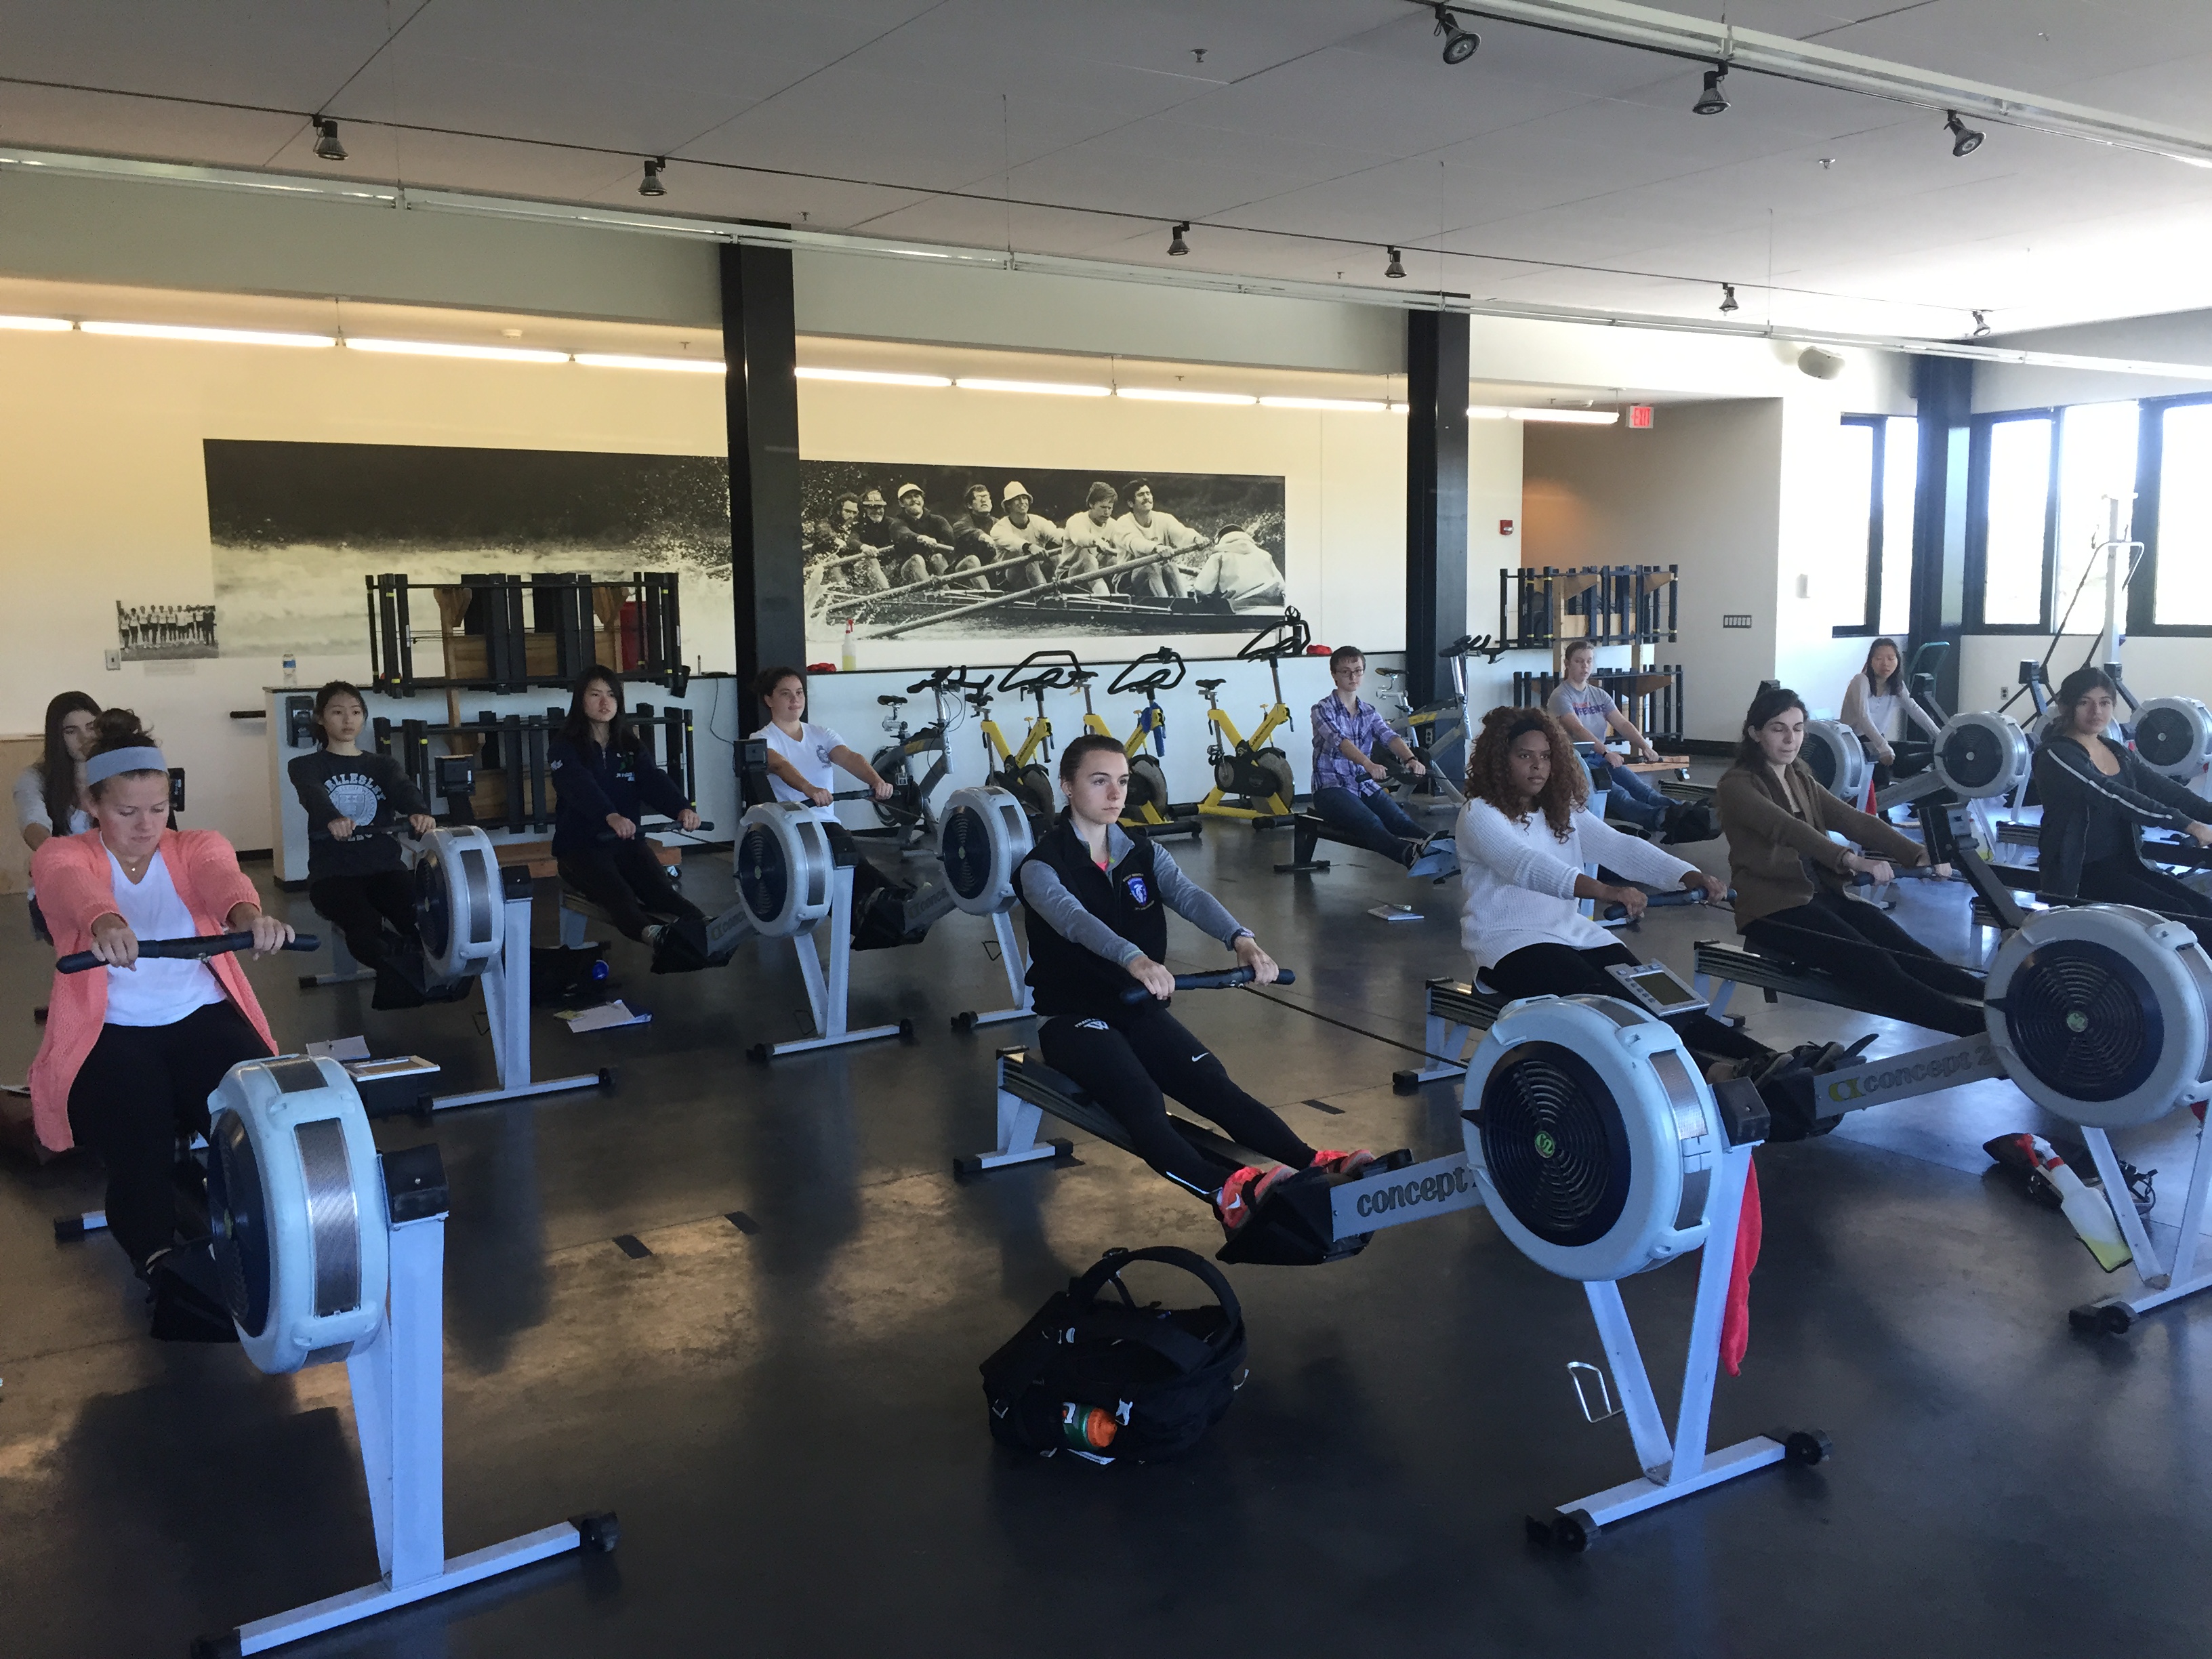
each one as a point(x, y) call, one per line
point(1639, 417)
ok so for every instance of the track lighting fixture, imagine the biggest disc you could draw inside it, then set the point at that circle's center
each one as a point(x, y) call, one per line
point(652, 184)
point(1981, 323)
point(1396, 268)
point(1965, 140)
point(1713, 101)
point(1728, 298)
point(1459, 43)
point(326, 140)
point(1175, 243)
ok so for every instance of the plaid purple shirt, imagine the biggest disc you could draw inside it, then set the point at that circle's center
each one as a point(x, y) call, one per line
point(1331, 724)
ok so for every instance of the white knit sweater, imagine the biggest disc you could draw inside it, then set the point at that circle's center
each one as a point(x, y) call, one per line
point(1519, 878)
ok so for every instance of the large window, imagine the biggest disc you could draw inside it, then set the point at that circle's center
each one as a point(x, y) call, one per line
point(2041, 498)
point(1881, 467)
point(2173, 589)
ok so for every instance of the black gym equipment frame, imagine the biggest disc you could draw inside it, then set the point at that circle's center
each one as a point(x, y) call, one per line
point(563, 604)
point(514, 745)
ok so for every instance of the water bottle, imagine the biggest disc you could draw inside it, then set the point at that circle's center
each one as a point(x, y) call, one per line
point(291, 669)
point(1087, 1428)
point(849, 661)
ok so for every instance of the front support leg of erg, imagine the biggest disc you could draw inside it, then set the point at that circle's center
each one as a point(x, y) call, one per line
point(506, 1011)
point(2161, 1285)
point(828, 992)
point(1674, 1468)
point(1011, 959)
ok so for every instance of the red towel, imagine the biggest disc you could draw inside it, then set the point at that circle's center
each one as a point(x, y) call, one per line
point(1735, 1322)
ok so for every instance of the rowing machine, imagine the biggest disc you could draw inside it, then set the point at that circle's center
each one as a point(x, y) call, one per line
point(325, 1252)
point(1600, 1153)
point(984, 836)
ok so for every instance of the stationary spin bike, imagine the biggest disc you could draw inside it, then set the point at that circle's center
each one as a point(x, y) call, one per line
point(909, 810)
point(1258, 775)
point(1021, 771)
point(1146, 811)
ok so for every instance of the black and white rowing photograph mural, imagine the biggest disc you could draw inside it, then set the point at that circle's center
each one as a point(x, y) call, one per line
point(975, 552)
point(164, 633)
point(297, 527)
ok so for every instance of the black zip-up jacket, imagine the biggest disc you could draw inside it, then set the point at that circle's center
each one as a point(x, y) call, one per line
point(2088, 817)
point(591, 782)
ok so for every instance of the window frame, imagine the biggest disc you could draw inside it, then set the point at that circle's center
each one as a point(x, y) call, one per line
point(2150, 465)
point(1978, 520)
point(1870, 624)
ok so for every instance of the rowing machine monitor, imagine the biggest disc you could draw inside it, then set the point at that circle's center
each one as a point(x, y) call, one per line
point(1658, 987)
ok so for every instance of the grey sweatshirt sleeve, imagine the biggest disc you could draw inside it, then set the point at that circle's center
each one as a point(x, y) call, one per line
point(1046, 894)
point(1191, 902)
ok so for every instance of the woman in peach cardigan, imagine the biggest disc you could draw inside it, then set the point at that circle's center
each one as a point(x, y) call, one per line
point(132, 1051)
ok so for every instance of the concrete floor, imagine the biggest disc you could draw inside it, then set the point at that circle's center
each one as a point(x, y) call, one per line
point(790, 1423)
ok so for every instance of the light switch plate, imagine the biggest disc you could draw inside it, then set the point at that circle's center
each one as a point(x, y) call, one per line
point(115, 659)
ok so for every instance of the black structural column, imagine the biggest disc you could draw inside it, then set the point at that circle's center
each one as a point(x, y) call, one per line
point(1436, 494)
point(767, 559)
point(1943, 390)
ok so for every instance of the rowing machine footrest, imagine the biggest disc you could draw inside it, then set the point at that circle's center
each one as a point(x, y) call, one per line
point(1293, 1227)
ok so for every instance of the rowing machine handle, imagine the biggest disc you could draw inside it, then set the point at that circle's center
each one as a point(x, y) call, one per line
point(1220, 980)
point(1901, 871)
point(199, 949)
point(1673, 899)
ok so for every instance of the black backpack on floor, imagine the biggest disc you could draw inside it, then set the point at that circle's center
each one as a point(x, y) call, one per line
point(1109, 1379)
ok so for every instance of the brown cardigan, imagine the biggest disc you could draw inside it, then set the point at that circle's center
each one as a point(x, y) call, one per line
point(1777, 839)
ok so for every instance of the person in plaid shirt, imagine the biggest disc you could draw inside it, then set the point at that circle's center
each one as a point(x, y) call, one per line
point(1347, 781)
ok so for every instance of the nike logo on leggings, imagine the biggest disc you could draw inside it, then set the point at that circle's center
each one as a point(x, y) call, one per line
point(1201, 1055)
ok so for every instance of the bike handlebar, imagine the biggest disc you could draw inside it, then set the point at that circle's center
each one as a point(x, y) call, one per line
point(1056, 665)
point(1163, 661)
point(198, 949)
point(1220, 979)
point(1286, 638)
point(950, 679)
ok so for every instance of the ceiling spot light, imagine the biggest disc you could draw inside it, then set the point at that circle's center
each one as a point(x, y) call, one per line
point(1177, 245)
point(1981, 323)
point(1459, 43)
point(326, 140)
point(1713, 101)
point(651, 185)
point(1728, 299)
point(1396, 268)
point(1965, 140)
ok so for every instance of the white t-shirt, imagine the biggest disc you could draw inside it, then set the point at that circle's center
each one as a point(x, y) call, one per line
point(1518, 878)
point(808, 753)
point(31, 805)
point(156, 993)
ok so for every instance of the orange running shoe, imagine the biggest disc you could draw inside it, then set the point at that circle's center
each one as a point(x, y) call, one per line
point(1242, 1193)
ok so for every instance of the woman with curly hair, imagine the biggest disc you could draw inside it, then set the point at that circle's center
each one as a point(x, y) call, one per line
point(1524, 835)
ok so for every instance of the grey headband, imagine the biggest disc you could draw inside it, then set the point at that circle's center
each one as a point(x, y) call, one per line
point(110, 762)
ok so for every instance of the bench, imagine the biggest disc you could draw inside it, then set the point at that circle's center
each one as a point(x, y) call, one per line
point(1732, 965)
point(1458, 1012)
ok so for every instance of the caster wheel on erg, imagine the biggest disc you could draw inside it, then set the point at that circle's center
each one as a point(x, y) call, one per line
point(599, 1533)
point(965, 1022)
point(1573, 1532)
point(216, 1647)
point(1807, 1447)
point(2102, 1318)
point(905, 1030)
point(757, 1053)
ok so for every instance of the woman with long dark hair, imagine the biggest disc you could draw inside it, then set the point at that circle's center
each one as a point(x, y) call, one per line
point(1524, 837)
point(131, 1054)
point(606, 781)
point(50, 792)
point(2098, 797)
point(1874, 706)
point(1789, 876)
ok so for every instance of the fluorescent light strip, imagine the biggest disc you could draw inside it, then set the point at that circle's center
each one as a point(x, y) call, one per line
point(1045, 388)
point(212, 336)
point(870, 377)
point(440, 348)
point(38, 324)
point(1166, 395)
point(1348, 405)
point(1573, 417)
point(677, 365)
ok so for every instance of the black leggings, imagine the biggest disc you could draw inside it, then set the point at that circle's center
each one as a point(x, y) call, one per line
point(2123, 879)
point(1125, 1066)
point(1561, 970)
point(1899, 977)
point(359, 906)
point(138, 1090)
point(627, 881)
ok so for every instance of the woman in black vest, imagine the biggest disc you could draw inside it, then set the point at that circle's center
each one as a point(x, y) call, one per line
point(1097, 903)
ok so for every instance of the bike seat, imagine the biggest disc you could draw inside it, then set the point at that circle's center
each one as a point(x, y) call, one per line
point(1082, 676)
point(891, 702)
point(1208, 685)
